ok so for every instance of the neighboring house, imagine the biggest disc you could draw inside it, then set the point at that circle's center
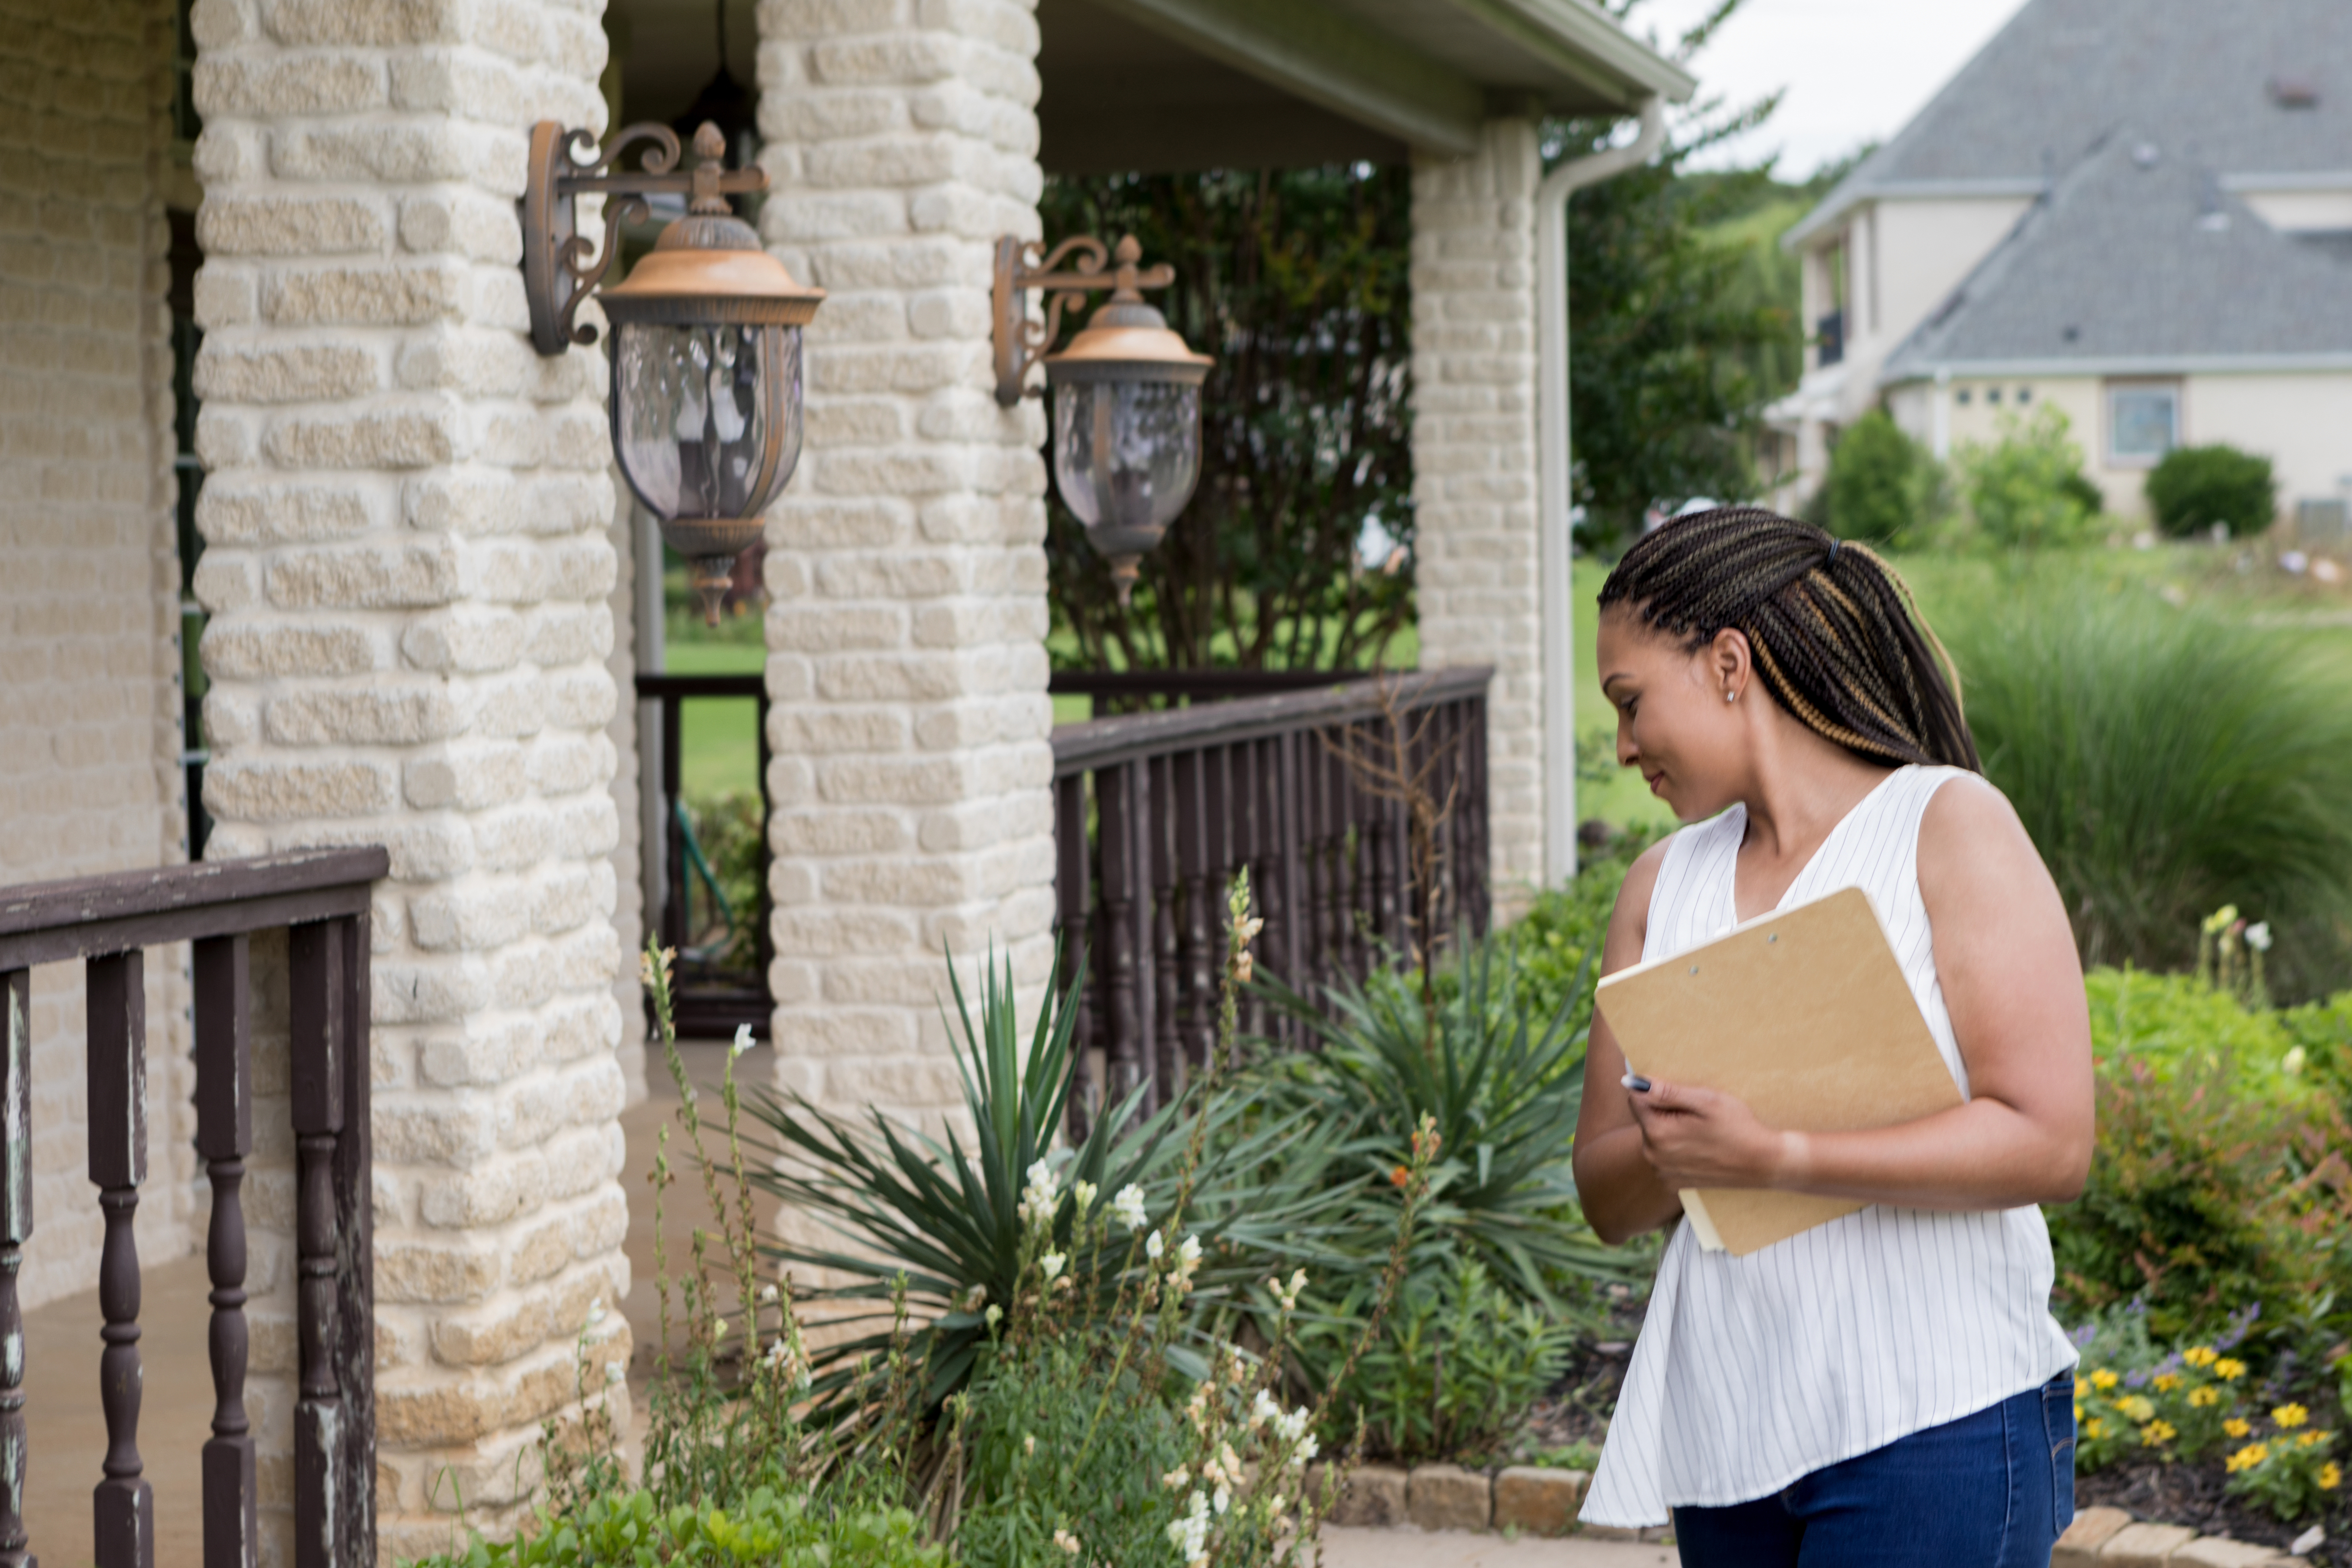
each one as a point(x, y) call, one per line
point(274, 248)
point(2136, 211)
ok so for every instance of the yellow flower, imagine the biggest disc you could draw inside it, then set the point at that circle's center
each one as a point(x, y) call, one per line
point(2136, 1408)
point(2156, 1433)
point(2329, 1476)
point(2290, 1415)
point(2247, 1457)
point(2200, 1397)
point(2104, 1380)
point(2235, 1427)
point(2166, 1381)
point(2198, 1355)
point(2309, 1439)
point(2094, 1428)
point(2229, 1369)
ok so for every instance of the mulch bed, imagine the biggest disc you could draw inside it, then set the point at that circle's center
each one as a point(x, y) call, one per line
point(2191, 1495)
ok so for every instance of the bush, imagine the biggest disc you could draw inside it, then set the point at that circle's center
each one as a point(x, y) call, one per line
point(2195, 488)
point(2208, 1188)
point(1454, 1370)
point(2167, 762)
point(1881, 483)
point(1563, 931)
point(2027, 491)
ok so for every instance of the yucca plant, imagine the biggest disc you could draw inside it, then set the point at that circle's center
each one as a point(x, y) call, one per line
point(2166, 762)
point(951, 1220)
point(1503, 1087)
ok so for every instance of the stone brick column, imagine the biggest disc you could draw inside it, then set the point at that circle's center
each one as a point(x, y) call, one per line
point(907, 660)
point(408, 563)
point(1473, 458)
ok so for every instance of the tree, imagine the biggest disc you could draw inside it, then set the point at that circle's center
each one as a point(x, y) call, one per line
point(1297, 281)
point(1667, 338)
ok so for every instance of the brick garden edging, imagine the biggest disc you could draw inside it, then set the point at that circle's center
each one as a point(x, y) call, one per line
point(1543, 1502)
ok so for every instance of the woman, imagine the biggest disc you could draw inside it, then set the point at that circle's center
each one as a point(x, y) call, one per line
point(1888, 1388)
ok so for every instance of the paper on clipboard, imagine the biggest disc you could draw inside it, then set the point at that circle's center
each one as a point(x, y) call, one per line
point(1804, 1015)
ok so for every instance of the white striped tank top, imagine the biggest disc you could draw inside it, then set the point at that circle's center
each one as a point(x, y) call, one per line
point(1753, 1372)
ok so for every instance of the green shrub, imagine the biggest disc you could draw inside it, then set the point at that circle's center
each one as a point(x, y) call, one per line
point(2172, 1022)
point(769, 1528)
point(2027, 491)
point(2195, 488)
point(1454, 1370)
point(1563, 929)
point(2205, 1191)
point(2167, 762)
point(1881, 483)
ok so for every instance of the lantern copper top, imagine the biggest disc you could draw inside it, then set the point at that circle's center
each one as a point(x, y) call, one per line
point(1128, 340)
point(708, 267)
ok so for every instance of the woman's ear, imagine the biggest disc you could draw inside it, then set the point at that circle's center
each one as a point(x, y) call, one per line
point(1729, 665)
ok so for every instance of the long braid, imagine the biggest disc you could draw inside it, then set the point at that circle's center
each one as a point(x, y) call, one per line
point(1838, 638)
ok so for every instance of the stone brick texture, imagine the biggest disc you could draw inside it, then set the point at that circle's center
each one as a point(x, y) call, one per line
point(1473, 456)
point(410, 563)
point(912, 772)
point(90, 699)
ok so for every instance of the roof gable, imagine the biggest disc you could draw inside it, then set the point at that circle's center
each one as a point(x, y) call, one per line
point(2063, 74)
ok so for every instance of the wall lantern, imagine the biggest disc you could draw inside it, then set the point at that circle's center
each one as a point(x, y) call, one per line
point(706, 346)
point(1127, 391)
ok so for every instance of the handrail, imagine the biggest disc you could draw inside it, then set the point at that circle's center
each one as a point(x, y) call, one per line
point(1102, 742)
point(87, 917)
point(1193, 683)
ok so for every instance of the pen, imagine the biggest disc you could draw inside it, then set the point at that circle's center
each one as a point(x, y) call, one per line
point(1635, 1082)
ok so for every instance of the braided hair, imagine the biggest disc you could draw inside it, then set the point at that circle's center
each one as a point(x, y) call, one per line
point(1836, 635)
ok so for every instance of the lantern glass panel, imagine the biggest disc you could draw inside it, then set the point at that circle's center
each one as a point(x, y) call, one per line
point(706, 418)
point(1127, 453)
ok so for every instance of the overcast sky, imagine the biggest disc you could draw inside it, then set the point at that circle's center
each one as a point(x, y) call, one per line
point(1854, 69)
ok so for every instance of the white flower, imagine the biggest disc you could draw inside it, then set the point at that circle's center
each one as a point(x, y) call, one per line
point(1288, 1294)
point(1306, 1450)
point(595, 1315)
point(743, 1041)
point(1190, 1534)
point(767, 1293)
point(1262, 1409)
point(718, 1328)
point(2293, 1061)
point(1052, 1263)
point(1083, 1192)
point(1066, 1541)
point(615, 1371)
point(1128, 1207)
point(2258, 936)
point(1153, 1245)
point(974, 1297)
point(1189, 1254)
point(1039, 1198)
point(1177, 1479)
point(1224, 1499)
point(995, 1315)
point(1029, 1444)
point(1291, 1425)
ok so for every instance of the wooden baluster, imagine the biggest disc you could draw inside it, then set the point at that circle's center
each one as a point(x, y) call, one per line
point(123, 1506)
point(1070, 861)
point(315, 963)
point(354, 1197)
point(16, 1229)
point(224, 1139)
point(1479, 905)
point(1331, 852)
point(1114, 790)
point(1189, 803)
point(1276, 796)
point(1167, 1039)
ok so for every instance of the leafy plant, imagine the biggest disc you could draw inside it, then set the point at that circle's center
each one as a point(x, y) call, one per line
point(1559, 939)
point(2165, 763)
point(951, 1221)
point(2027, 491)
point(2131, 1398)
point(1881, 484)
point(1502, 1086)
point(1454, 1370)
point(2195, 488)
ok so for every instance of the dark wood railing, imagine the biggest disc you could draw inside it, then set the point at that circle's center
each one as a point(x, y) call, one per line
point(714, 993)
point(1153, 812)
point(106, 922)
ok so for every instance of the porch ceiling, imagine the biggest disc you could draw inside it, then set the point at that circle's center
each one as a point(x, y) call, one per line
point(1165, 85)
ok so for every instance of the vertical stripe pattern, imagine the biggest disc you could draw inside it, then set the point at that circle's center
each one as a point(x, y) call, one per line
point(1753, 1372)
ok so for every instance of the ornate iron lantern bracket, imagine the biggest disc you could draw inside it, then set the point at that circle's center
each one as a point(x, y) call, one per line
point(561, 266)
point(1023, 265)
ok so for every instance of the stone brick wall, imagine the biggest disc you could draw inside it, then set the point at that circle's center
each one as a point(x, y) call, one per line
point(409, 563)
point(1474, 454)
point(905, 634)
point(90, 699)
point(628, 884)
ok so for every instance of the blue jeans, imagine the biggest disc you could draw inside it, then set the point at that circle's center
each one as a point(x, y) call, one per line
point(1989, 1490)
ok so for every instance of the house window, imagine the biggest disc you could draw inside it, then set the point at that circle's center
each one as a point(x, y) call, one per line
point(2024, 395)
point(1962, 396)
point(2143, 422)
point(1992, 394)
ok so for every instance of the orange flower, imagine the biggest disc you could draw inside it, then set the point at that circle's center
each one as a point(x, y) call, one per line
point(1399, 1176)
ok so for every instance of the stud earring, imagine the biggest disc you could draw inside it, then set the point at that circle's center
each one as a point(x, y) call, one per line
point(1731, 697)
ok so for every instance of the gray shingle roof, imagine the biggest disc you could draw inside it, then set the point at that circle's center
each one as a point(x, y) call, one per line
point(2065, 73)
point(2137, 257)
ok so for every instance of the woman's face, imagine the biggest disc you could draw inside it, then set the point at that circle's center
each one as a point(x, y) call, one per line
point(1673, 723)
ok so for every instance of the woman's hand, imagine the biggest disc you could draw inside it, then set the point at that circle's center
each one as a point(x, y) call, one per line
point(1701, 1138)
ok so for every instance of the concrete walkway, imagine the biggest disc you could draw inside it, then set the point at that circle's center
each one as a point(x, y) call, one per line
point(1347, 1548)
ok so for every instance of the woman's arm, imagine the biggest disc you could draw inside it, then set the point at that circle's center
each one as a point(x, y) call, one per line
point(1621, 1192)
point(2006, 958)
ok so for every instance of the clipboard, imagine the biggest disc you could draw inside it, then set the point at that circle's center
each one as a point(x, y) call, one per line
point(1804, 1015)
